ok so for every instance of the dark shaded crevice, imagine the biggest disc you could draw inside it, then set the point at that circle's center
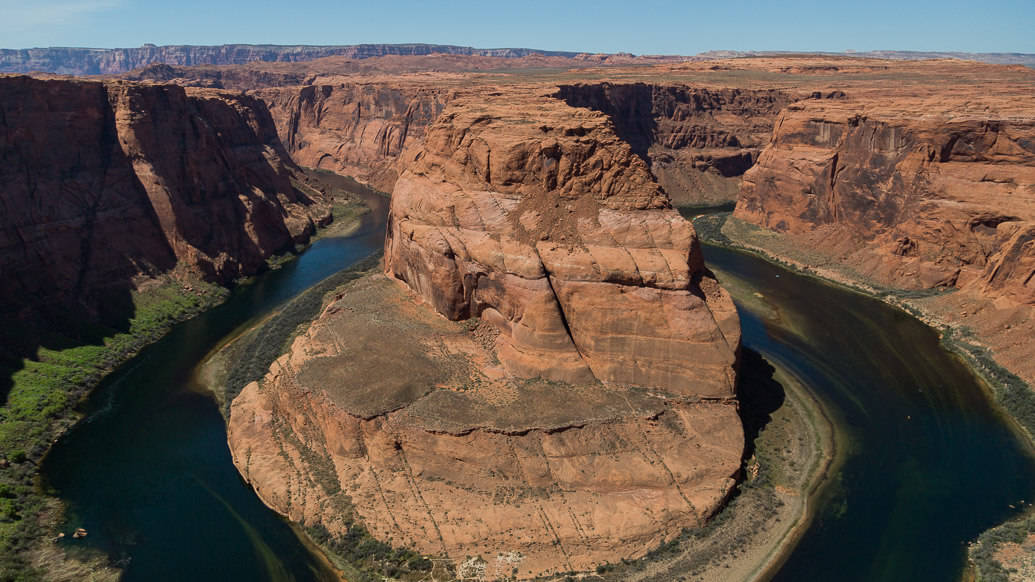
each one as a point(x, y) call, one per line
point(629, 107)
point(564, 319)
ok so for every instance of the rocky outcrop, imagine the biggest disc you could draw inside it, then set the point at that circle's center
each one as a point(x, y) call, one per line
point(908, 198)
point(576, 404)
point(106, 184)
point(698, 142)
point(537, 217)
point(90, 61)
point(356, 129)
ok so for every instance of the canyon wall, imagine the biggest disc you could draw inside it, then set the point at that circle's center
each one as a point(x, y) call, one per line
point(91, 61)
point(107, 184)
point(357, 129)
point(928, 194)
point(575, 405)
point(908, 199)
point(698, 142)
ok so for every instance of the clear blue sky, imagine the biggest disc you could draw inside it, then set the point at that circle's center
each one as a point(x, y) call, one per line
point(637, 26)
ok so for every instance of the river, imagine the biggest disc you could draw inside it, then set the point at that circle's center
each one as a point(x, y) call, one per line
point(148, 473)
point(929, 463)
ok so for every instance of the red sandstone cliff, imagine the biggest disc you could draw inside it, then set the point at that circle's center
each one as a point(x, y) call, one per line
point(910, 196)
point(920, 188)
point(357, 129)
point(697, 141)
point(105, 183)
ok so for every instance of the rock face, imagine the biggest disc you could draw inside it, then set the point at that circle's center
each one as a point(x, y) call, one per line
point(357, 129)
point(584, 412)
point(106, 183)
point(911, 197)
point(540, 219)
point(698, 142)
point(88, 61)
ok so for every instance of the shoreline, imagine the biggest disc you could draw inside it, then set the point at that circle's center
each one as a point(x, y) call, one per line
point(30, 540)
point(905, 304)
point(753, 535)
point(995, 380)
point(817, 478)
point(768, 517)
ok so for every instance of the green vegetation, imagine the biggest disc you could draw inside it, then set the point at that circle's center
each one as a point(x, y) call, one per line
point(39, 394)
point(45, 391)
point(983, 552)
point(369, 560)
point(1009, 391)
point(709, 226)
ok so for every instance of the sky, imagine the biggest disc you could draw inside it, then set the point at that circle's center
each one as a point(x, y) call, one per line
point(636, 26)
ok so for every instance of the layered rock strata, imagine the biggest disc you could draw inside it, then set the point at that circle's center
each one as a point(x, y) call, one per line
point(357, 129)
point(576, 403)
point(697, 141)
point(911, 197)
point(104, 184)
point(538, 218)
point(920, 191)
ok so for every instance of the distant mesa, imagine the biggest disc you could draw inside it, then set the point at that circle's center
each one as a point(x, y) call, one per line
point(93, 61)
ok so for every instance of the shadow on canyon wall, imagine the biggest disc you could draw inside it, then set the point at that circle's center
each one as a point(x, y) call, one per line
point(630, 108)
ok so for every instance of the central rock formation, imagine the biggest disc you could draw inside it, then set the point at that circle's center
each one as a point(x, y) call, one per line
point(583, 413)
point(539, 219)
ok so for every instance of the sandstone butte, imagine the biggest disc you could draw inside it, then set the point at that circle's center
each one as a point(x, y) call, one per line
point(588, 417)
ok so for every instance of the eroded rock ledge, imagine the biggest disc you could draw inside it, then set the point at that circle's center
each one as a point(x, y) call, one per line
point(575, 405)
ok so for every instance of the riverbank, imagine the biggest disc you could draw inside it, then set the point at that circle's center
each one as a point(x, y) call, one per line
point(790, 459)
point(246, 355)
point(1009, 389)
point(42, 405)
point(45, 394)
point(792, 450)
point(948, 312)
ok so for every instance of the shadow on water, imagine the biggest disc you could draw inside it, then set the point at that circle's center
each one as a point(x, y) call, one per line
point(759, 394)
